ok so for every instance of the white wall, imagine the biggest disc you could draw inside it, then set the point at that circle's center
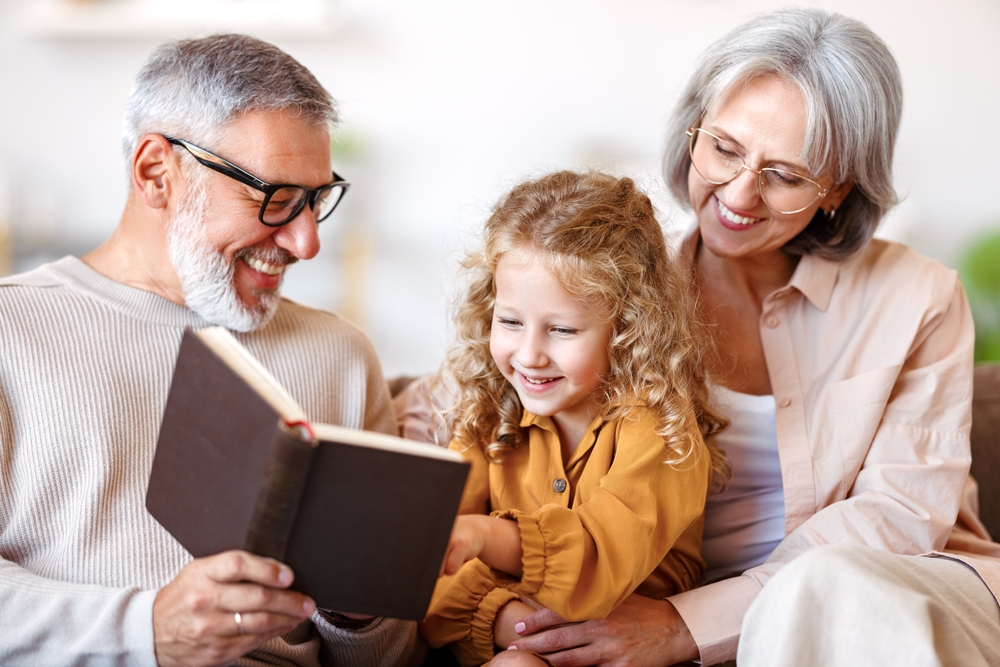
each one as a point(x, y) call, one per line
point(447, 103)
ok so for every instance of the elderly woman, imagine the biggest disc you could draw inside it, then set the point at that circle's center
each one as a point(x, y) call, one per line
point(845, 366)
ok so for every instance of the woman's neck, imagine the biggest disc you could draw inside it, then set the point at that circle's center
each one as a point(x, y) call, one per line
point(755, 277)
point(732, 293)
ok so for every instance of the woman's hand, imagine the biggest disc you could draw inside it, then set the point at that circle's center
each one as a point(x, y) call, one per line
point(497, 542)
point(640, 632)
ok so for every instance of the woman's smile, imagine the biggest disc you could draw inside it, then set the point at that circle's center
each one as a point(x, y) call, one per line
point(730, 218)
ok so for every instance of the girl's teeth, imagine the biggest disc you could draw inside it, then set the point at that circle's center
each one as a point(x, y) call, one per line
point(732, 217)
point(534, 381)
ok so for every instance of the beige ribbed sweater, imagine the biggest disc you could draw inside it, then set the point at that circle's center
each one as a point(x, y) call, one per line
point(85, 365)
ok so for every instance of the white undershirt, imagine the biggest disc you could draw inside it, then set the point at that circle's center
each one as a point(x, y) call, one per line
point(746, 521)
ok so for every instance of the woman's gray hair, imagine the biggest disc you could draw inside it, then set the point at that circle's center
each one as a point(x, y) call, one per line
point(192, 88)
point(853, 98)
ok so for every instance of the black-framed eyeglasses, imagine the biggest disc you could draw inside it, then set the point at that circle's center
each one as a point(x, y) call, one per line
point(282, 201)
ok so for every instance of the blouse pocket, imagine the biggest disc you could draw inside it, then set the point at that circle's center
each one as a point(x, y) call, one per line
point(857, 405)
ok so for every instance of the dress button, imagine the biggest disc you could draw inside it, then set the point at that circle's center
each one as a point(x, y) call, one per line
point(772, 321)
point(785, 402)
point(559, 485)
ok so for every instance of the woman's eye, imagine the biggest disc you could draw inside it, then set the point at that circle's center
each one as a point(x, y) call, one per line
point(725, 151)
point(784, 179)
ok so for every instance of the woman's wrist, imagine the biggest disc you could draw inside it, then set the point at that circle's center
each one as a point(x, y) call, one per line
point(683, 641)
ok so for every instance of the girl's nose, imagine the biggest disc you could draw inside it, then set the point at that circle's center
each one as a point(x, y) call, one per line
point(530, 352)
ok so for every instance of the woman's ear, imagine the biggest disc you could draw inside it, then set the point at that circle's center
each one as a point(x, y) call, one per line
point(836, 195)
point(155, 170)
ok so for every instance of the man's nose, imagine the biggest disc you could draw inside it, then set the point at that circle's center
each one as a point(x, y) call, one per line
point(300, 237)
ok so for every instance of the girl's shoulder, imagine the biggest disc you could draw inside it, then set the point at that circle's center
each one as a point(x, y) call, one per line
point(634, 414)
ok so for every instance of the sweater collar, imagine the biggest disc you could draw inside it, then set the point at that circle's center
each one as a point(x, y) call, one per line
point(131, 301)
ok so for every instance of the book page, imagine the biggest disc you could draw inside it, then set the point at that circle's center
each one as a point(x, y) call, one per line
point(227, 348)
point(351, 436)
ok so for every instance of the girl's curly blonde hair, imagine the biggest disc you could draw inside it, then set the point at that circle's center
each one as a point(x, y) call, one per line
point(604, 243)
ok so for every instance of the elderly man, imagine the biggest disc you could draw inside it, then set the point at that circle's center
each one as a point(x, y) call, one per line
point(87, 348)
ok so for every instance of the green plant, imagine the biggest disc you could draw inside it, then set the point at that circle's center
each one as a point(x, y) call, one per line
point(980, 272)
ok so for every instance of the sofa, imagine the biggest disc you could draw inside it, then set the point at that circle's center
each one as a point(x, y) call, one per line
point(986, 443)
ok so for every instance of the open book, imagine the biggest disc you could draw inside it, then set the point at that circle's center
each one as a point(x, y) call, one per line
point(362, 518)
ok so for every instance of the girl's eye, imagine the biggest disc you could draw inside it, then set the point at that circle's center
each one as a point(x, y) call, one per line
point(563, 331)
point(503, 321)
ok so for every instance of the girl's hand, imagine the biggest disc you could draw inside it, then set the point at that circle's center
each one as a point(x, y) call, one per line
point(468, 539)
point(497, 542)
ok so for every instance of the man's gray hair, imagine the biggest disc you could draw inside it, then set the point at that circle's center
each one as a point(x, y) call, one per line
point(853, 97)
point(192, 88)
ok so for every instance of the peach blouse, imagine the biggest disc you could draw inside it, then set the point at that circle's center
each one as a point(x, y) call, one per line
point(870, 362)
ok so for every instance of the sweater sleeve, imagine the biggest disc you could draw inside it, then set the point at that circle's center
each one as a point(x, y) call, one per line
point(582, 562)
point(379, 414)
point(386, 642)
point(55, 623)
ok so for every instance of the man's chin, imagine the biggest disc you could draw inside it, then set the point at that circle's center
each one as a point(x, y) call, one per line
point(236, 315)
point(265, 308)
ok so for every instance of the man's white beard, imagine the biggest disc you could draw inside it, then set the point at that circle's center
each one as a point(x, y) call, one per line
point(207, 278)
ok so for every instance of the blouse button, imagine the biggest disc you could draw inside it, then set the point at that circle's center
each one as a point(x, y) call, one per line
point(772, 321)
point(785, 402)
point(559, 485)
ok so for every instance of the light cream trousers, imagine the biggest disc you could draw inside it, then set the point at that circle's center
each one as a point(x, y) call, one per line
point(854, 606)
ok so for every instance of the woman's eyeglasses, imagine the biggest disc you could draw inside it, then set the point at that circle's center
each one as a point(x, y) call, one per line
point(718, 163)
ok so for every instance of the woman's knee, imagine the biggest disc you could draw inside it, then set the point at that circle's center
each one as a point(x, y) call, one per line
point(833, 580)
point(843, 564)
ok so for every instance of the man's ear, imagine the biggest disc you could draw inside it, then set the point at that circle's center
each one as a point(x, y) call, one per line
point(156, 170)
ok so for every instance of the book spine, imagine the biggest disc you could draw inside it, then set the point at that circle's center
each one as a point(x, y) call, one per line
point(278, 502)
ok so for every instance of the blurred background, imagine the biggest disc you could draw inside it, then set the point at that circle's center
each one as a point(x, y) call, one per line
point(446, 104)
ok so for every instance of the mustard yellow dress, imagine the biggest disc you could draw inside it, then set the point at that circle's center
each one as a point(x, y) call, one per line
point(613, 520)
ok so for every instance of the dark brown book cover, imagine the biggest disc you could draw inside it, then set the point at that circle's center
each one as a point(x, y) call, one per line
point(363, 519)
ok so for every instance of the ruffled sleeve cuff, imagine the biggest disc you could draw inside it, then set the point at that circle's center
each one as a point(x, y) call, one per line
point(463, 611)
point(481, 630)
point(532, 550)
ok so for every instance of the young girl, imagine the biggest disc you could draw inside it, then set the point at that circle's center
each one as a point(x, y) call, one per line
point(582, 411)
